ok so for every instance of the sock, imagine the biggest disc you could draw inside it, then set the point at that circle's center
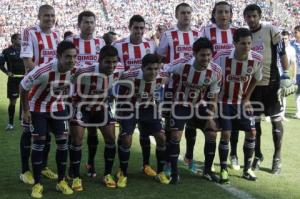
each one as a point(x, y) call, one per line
point(209, 153)
point(174, 153)
point(257, 141)
point(168, 138)
point(248, 149)
point(109, 156)
point(146, 149)
point(223, 152)
point(37, 150)
point(234, 138)
point(190, 136)
point(61, 157)
point(46, 150)
point(277, 130)
point(92, 142)
point(25, 147)
point(75, 159)
point(161, 158)
point(11, 114)
point(124, 154)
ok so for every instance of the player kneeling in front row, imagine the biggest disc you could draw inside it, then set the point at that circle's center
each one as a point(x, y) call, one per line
point(90, 101)
point(44, 109)
point(241, 71)
point(136, 105)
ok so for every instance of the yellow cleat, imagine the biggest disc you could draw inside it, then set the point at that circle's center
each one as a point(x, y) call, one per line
point(122, 181)
point(119, 173)
point(149, 171)
point(37, 191)
point(49, 174)
point(27, 177)
point(64, 188)
point(109, 181)
point(77, 184)
point(162, 178)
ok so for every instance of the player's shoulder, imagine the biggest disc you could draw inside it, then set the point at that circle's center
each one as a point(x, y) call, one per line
point(256, 56)
point(184, 60)
point(223, 53)
point(132, 74)
point(120, 41)
point(34, 28)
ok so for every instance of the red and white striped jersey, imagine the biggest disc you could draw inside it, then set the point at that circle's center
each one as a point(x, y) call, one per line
point(39, 46)
point(143, 91)
point(191, 85)
point(131, 55)
point(221, 39)
point(87, 50)
point(175, 44)
point(237, 74)
point(92, 86)
point(48, 87)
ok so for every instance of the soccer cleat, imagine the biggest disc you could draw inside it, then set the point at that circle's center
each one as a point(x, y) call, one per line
point(167, 169)
point(147, 169)
point(192, 166)
point(119, 173)
point(211, 176)
point(174, 179)
point(27, 177)
point(64, 188)
point(234, 163)
point(213, 169)
point(9, 127)
point(249, 175)
point(162, 178)
point(37, 191)
point(224, 177)
point(77, 184)
point(276, 166)
point(49, 174)
point(257, 162)
point(122, 181)
point(109, 181)
point(90, 170)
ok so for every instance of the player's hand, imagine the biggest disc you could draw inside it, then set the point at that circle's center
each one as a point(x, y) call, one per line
point(247, 106)
point(287, 86)
point(26, 118)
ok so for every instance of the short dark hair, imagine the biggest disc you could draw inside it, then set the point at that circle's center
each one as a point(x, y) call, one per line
point(14, 36)
point(213, 19)
point(44, 7)
point(150, 59)
point(107, 37)
point(63, 46)
point(285, 32)
point(181, 5)
point(297, 28)
point(241, 32)
point(251, 8)
point(202, 43)
point(67, 34)
point(108, 51)
point(136, 18)
point(86, 13)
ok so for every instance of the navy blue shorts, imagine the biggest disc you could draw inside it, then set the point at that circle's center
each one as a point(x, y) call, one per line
point(232, 116)
point(179, 117)
point(92, 118)
point(41, 123)
point(199, 120)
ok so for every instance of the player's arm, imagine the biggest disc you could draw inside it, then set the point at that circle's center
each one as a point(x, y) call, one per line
point(2, 62)
point(282, 55)
point(27, 51)
point(161, 51)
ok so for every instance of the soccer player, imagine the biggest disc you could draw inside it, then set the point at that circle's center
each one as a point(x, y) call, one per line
point(68, 34)
point(131, 51)
point(92, 109)
point(141, 108)
point(220, 33)
point(296, 44)
point(110, 37)
point(38, 46)
point(267, 41)
point(15, 71)
point(42, 93)
point(192, 79)
point(88, 49)
point(242, 69)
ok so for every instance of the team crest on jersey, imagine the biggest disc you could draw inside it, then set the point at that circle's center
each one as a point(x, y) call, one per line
point(249, 70)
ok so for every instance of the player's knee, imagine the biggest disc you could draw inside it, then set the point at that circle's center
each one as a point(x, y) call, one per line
point(160, 139)
point(225, 135)
point(251, 134)
point(38, 137)
point(211, 135)
point(126, 141)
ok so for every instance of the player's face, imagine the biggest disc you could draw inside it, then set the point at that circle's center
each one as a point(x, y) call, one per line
point(223, 15)
point(137, 30)
point(150, 71)
point(252, 18)
point(108, 64)
point(17, 41)
point(67, 60)
point(243, 45)
point(87, 25)
point(297, 35)
point(286, 39)
point(47, 18)
point(184, 15)
point(203, 57)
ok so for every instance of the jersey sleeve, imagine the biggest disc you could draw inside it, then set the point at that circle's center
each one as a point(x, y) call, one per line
point(275, 34)
point(258, 74)
point(3, 59)
point(33, 78)
point(215, 86)
point(26, 45)
point(163, 45)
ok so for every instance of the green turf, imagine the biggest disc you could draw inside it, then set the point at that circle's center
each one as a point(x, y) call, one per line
point(285, 186)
